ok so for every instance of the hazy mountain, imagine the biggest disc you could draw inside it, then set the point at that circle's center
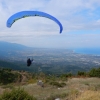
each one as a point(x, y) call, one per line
point(57, 61)
point(9, 50)
point(5, 46)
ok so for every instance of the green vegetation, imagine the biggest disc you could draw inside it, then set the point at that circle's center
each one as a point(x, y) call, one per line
point(81, 73)
point(57, 84)
point(94, 72)
point(16, 94)
point(7, 76)
point(65, 86)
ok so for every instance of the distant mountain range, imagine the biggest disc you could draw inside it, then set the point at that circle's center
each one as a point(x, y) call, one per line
point(11, 46)
point(6, 46)
point(8, 50)
point(56, 61)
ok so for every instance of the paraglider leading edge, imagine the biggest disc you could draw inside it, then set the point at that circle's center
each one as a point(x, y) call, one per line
point(24, 14)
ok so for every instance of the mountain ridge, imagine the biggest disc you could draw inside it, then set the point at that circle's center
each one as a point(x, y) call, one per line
point(12, 46)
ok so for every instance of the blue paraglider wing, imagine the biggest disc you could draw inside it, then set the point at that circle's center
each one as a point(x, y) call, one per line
point(24, 14)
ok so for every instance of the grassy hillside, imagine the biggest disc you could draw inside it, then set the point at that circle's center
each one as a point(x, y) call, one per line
point(75, 89)
point(65, 88)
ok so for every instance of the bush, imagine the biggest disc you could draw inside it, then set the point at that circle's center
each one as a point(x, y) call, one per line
point(94, 72)
point(6, 76)
point(57, 84)
point(81, 73)
point(16, 94)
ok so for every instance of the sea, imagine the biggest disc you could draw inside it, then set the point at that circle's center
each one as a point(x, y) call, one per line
point(92, 51)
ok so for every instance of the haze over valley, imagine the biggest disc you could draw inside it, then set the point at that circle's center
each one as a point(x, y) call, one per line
point(57, 61)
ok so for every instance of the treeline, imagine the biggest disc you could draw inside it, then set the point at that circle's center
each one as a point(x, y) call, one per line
point(94, 72)
point(9, 76)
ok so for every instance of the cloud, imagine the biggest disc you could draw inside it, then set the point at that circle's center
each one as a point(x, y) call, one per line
point(75, 16)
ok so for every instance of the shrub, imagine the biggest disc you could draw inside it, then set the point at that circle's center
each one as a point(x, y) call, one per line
point(57, 84)
point(81, 73)
point(6, 76)
point(16, 94)
point(94, 72)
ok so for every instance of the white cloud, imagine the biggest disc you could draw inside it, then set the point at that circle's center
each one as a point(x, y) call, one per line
point(73, 14)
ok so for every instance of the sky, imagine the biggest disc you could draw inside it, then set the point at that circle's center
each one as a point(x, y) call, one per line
point(80, 20)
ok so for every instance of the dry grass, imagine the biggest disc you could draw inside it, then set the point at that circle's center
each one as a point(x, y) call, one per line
point(72, 90)
point(1, 90)
point(45, 92)
point(75, 89)
point(89, 95)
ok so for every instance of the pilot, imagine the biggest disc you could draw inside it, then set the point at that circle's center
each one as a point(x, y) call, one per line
point(29, 61)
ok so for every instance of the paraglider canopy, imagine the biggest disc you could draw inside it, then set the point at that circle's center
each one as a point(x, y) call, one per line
point(24, 14)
